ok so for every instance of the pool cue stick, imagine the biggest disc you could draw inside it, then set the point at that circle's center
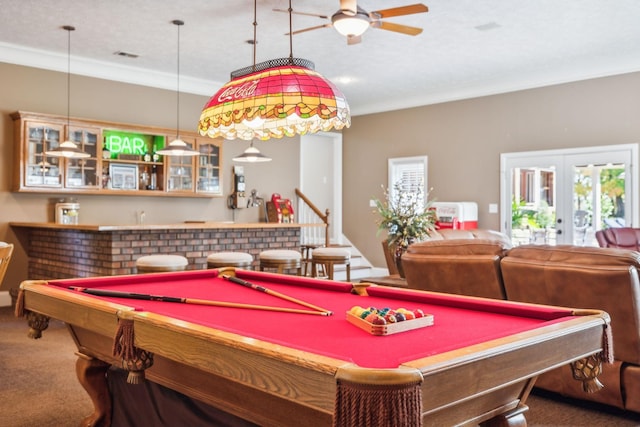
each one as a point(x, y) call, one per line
point(148, 297)
point(273, 293)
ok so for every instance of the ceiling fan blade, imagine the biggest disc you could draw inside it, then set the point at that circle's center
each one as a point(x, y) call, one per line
point(302, 13)
point(353, 40)
point(401, 11)
point(304, 30)
point(398, 28)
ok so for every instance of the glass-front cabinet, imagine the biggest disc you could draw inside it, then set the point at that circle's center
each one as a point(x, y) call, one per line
point(83, 173)
point(208, 173)
point(180, 170)
point(122, 159)
point(41, 170)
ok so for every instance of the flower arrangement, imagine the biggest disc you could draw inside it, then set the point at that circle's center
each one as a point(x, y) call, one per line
point(405, 216)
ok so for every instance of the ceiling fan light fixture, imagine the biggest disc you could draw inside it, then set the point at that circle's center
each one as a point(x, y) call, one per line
point(351, 26)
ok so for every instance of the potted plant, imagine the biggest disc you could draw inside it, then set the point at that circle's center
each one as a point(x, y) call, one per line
point(406, 217)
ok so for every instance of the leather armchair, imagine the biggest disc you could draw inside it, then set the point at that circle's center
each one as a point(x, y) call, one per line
point(621, 238)
point(585, 277)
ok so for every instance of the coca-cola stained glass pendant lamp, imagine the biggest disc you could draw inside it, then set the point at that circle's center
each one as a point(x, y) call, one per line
point(272, 99)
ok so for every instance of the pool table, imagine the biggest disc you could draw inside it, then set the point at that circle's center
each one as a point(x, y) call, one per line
point(476, 364)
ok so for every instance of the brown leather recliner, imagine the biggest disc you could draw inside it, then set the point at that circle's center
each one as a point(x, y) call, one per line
point(585, 277)
point(465, 262)
point(621, 238)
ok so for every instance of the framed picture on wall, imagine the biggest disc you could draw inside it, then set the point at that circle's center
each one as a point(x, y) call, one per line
point(123, 177)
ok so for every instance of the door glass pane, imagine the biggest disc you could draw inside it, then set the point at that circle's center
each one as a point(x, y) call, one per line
point(533, 208)
point(598, 200)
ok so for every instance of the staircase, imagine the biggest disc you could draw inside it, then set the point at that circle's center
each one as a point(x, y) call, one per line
point(308, 213)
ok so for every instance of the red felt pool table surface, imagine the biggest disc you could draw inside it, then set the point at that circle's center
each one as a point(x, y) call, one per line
point(464, 329)
point(457, 324)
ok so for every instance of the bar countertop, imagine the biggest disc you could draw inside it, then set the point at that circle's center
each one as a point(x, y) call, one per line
point(187, 225)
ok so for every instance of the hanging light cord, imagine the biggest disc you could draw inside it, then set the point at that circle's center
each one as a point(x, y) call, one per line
point(69, 28)
point(255, 31)
point(178, 23)
point(290, 33)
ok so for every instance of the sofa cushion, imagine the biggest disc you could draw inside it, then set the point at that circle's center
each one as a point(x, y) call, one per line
point(631, 381)
point(449, 233)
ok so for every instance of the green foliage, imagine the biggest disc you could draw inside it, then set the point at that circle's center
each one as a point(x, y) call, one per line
point(521, 217)
point(518, 214)
point(404, 216)
point(544, 217)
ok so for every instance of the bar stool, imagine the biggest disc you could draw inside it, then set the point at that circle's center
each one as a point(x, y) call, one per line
point(281, 259)
point(307, 250)
point(160, 263)
point(229, 259)
point(328, 257)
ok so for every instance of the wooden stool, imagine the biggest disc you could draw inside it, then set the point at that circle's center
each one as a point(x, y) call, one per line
point(307, 250)
point(328, 257)
point(159, 263)
point(281, 259)
point(229, 259)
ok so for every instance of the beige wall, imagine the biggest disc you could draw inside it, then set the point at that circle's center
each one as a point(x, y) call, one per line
point(464, 140)
point(30, 89)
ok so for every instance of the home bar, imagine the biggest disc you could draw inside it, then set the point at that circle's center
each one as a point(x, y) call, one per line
point(67, 251)
point(344, 213)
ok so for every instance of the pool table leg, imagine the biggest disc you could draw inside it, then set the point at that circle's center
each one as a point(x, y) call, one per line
point(91, 373)
point(513, 418)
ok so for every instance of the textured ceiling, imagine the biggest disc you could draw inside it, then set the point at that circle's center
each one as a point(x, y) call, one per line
point(468, 48)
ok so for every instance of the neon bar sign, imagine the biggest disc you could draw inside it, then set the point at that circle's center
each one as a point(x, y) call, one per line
point(119, 142)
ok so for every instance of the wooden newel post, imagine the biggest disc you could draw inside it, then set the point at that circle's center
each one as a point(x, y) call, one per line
point(326, 229)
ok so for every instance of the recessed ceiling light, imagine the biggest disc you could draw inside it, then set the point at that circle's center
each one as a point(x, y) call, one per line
point(125, 54)
point(486, 27)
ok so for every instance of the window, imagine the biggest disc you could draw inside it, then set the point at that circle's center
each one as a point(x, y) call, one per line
point(410, 173)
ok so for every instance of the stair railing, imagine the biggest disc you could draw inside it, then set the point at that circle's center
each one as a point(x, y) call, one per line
point(308, 213)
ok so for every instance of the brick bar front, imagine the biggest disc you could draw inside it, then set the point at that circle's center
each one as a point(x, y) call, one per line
point(59, 252)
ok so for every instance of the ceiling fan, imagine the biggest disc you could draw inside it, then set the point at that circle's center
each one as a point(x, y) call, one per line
point(352, 21)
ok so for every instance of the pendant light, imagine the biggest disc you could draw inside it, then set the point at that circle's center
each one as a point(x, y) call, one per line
point(272, 99)
point(252, 155)
point(178, 147)
point(68, 148)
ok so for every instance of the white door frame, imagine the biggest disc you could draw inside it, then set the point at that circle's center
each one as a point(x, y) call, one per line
point(335, 215)
point(561, 158)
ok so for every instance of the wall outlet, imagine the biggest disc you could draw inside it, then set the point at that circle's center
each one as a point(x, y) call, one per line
point(372, 203)
point(493, 208)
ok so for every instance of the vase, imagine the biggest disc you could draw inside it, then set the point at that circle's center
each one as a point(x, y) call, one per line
point(397, 255)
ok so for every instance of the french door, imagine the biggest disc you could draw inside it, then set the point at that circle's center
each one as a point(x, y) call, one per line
point(565, 196)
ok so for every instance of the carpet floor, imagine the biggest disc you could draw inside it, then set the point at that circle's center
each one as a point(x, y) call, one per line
point(38, 386)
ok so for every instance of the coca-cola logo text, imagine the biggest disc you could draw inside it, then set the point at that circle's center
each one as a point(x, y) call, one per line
point(235, 92)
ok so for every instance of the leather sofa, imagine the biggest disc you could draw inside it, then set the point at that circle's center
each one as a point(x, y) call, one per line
point(585, 277)
point(621, 238)
point(570, 276)
point(465, 262)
